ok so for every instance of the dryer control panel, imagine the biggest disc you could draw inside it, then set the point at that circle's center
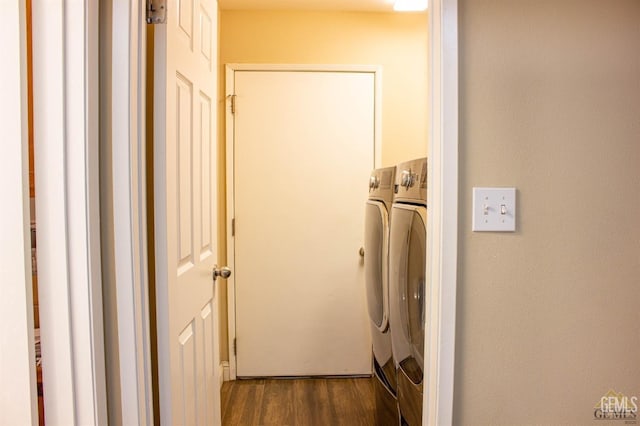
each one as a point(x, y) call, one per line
point(411, 181)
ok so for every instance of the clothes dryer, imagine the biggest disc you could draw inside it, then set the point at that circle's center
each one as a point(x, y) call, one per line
point(376, 260)
point(407, 285)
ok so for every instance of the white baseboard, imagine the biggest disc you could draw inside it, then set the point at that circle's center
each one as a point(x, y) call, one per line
point(221, 374)
point(224, 368)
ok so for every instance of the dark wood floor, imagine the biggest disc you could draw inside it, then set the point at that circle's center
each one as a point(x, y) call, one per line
point(298, 402)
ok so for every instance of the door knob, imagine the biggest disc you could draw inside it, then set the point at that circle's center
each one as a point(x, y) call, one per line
point(361, 251)
point(223, 272)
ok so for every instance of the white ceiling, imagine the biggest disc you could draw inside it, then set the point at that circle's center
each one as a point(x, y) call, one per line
point(351, 5)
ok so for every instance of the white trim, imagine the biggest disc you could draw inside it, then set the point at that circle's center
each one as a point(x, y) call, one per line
point(224, 367)
point(306, 67)
point(442, 232)
point(65, 62)
point(18, 397)
point(377, 102)
point(223, 373)
point(49, 102)
point(230, 70)
point(129, 211)
point(231, 282)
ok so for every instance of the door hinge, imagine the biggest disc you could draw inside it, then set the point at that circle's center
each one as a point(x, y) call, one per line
point(156, 11)
point(233, 227)
point(235, 347)
point(233, 104)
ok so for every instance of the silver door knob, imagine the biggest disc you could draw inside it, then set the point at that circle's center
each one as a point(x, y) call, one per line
point(223, 272)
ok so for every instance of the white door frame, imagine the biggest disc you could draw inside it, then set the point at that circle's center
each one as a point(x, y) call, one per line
point(129, 244)
point(17, 367)
point(65, 64)
point(442, 232)
point(69, 255)
point(229, 135)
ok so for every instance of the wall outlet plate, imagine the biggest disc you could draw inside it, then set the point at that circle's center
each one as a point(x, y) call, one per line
point(494, 209)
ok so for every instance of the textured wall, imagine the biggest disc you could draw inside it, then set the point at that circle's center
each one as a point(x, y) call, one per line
point(548, 317)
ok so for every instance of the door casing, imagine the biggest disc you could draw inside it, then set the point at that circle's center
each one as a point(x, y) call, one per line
point(16, 302)
point(442, 229)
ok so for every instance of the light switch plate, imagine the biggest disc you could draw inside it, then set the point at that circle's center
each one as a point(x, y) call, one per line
point(494, 209)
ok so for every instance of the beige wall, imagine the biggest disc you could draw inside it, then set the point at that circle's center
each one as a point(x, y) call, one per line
point(548, 317)
point(398, 42)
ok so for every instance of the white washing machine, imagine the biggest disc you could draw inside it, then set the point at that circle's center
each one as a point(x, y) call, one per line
point(407, 285)
point(376, 261)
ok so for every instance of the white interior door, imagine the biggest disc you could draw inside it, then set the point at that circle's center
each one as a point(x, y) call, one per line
point(303, 150)
point(185, 221)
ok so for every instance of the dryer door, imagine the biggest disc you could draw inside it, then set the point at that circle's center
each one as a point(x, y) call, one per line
point(376, 233)
point(407, 271)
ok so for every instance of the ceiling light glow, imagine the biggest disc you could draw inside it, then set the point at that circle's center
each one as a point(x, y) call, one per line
point(410, 5)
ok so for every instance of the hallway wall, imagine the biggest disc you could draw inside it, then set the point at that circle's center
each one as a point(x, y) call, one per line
point(548, 316)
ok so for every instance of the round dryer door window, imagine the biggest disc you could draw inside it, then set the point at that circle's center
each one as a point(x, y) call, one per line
point(415, 297)
point(407, 287)
point(375, 253)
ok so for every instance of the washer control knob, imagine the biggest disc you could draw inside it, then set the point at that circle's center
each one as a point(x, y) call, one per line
point(407, 180)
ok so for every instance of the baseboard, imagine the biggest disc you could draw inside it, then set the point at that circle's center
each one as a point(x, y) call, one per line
point(224, 368)
point(221, 374)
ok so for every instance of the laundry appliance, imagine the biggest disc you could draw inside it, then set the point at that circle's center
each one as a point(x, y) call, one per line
point(408, 289)
point(376, 260)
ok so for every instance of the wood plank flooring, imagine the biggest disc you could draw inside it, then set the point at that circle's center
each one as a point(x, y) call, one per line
point(298, 402)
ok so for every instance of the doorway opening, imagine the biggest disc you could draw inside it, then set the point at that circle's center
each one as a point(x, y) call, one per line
point(397, 43)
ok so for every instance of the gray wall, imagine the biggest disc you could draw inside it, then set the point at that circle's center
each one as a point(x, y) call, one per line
point(548, 317)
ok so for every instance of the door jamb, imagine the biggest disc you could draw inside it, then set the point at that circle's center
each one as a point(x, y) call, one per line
point(230, 70)
point(131, 351)
point(17, 369)
point(65, 63)
point(442, 232)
